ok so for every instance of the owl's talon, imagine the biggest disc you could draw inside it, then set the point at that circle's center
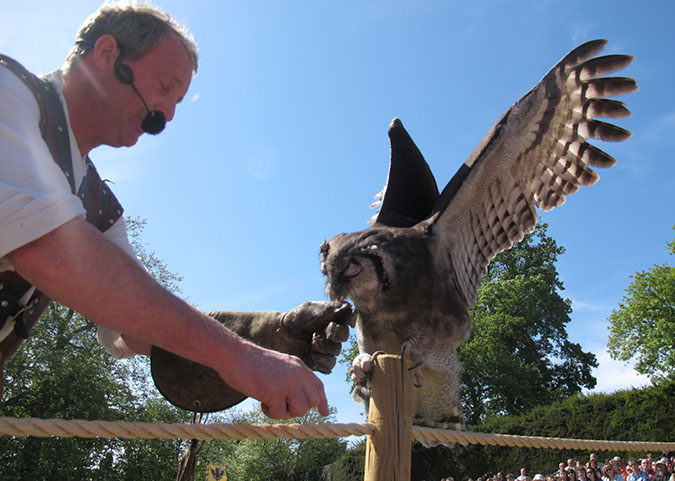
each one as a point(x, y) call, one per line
point(361, 370)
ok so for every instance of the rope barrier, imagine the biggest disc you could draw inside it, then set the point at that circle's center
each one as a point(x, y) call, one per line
point(107, 429)
point(467, 437)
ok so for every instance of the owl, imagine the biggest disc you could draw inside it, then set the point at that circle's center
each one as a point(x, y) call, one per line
point(414, 274)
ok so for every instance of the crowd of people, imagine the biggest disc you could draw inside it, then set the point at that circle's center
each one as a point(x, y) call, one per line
point(648, 468)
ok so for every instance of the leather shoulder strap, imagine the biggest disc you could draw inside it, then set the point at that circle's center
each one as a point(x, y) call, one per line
point(53, 124)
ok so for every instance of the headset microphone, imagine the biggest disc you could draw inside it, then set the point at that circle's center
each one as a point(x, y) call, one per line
point(154, 121)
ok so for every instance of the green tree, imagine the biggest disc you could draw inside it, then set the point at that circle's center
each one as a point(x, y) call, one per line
point(62, 372)
point(643, 327)
point(272, 459)
point(519, 355)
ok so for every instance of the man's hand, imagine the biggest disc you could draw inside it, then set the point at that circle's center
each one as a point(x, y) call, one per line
point(318, 328)
point(283, 384)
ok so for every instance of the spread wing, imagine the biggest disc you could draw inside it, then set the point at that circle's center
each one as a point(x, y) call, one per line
point(535, 155)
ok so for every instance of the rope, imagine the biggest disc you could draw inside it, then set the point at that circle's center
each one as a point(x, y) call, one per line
point(466, 437)
point(43, 428)
point(106, 429)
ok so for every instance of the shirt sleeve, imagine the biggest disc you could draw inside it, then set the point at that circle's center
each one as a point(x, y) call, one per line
point(35, 197)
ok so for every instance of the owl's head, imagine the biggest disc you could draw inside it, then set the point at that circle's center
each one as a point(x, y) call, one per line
point(373, 267)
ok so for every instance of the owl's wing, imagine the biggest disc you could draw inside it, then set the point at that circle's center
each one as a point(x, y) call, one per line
point(411, 191)
point(535, 155)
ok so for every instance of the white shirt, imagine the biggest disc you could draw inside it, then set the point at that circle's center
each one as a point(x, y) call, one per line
point(35, 196)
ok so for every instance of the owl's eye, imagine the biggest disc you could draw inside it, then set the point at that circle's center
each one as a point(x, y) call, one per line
point(352, 270)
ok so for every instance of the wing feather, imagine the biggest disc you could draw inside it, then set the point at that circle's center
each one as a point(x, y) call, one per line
point(536, 155)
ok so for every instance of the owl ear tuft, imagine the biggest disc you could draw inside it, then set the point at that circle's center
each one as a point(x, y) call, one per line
point(411, 190)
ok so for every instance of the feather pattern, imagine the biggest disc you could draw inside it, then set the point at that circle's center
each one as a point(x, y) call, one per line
point(536, 155)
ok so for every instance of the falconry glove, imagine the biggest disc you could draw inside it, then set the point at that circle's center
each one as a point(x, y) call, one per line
point(312, 331)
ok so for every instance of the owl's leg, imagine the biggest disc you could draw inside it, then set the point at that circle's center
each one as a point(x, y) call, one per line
point(417, 358)
point(361, 370)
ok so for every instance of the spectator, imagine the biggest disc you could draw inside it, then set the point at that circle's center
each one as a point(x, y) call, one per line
point(646, 466)
point(571, 474)
point(662, 473)
point(523, 475)
point(592, 473)
point(539, 477)
point(510, 477)
point(635, 473)
point(499, 477)
point(609, 474)
point(581, 473)
point(562, 475)
point(618, 465)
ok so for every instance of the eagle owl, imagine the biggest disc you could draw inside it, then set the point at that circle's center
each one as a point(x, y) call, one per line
point(413, 275)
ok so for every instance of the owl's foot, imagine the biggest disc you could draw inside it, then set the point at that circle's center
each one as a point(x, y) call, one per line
point(417, 358)
point(361, 369)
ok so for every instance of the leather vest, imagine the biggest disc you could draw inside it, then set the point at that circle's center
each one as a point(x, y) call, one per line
point(102, 207)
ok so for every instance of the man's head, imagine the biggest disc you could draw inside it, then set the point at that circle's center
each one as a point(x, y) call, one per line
point(661, 466)
point(136, 27)
point(130, 64)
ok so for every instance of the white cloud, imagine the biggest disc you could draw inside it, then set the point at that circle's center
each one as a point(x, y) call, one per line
point(615, 375)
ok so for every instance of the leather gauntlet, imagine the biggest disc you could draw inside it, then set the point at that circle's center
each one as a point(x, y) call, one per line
point(312, 331)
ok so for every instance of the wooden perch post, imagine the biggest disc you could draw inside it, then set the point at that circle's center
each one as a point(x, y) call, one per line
point(388, 451)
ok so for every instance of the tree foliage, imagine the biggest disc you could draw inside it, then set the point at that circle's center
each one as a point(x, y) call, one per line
point(272, 460)
point(643, 327)
point(519, 355)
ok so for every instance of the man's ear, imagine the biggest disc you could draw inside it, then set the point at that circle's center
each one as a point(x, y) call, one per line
point(106, 52)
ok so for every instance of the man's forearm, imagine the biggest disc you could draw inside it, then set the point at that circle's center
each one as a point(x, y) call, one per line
point(78, 267)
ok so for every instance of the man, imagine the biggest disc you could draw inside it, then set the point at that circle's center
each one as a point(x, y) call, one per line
point(646, 466)
point(635, 473)
point(661, 473)
point(129, 68)
point(523, 475)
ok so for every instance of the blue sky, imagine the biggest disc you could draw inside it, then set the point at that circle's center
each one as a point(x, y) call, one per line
point(282, 142)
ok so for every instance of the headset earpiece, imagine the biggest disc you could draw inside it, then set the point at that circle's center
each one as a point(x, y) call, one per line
point(123, 72)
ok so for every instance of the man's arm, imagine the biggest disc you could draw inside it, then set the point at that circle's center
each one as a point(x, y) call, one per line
point(76, 266)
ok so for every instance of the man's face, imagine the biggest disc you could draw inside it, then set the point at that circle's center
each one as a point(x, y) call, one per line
point(162, 76)
point(644, 464)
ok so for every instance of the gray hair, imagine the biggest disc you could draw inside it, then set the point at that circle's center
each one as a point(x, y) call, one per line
point(136, 27)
